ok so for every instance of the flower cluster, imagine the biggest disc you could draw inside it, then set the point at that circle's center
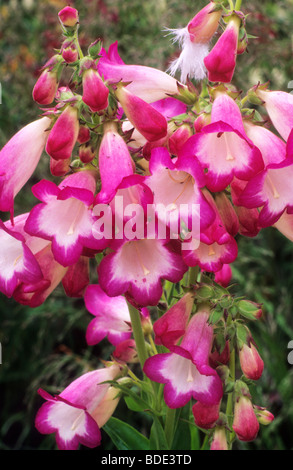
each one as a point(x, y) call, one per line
point(158, 179)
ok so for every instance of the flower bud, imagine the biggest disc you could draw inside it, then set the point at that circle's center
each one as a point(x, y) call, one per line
point(245, 423)
point(63, 135)
point(68, 17)
point(264, 416)
point(146, 119)
point(95, 92)
point(251, 363)
point(46, 87)
point(219, 441)
point(86, 153)
point(227, 213)
point(69, 52)
point(83, 135)
point(205, 416)
point(178, 139)
point(59, 167)
point(221, 61)
point(126, 351)
point(204, 24)
point(249, 310)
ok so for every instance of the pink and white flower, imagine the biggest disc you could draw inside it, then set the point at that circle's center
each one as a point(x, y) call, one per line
point(271, 191)
point(77, 413)
point(111, 320)
point(223, 147)
point(147, 83)
point(137, 268)
point(279, 106)
point(185, 370)
point(19, 159)
point(18, 263)
point(64, 216)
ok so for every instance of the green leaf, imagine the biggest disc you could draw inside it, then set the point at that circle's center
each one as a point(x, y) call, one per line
point(134, 404)
point(157, 436)
point(124, 436)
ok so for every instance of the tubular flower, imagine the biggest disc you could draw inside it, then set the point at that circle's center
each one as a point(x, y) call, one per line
point(95, 92)
point(63, 135)
point(64, 217)
point(185, 371)
point(171, 326)
point(221, 61)
point(223, 147)
point(206, 416)
point(77, 413)
point(147, 83)
point(270, 190)
point(115, 162)
point(137, 267)
point(111, 317)
point(251, 363)
point(19, 159)
point(245, 423)
point(176, 189)
point(150, 123)
point(216, 246)
point(219, 441)
point(279, 106)
point(18, 263)
point(194, 41)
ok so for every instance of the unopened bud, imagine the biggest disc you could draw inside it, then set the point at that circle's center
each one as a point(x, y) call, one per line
point(264, 416)
point(86, 153)
point(68, 17)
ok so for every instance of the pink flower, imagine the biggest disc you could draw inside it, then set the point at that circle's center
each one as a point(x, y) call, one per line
point(171, 326)
point(248, 218)
point(279, 106)
point(223, 147)
point(206, 416)
point(224, 275)
point(64, 217)
point(144, 117)
point(63, 136)
point(245, 423)
point(95, 93)
point(137, 267)
point(125, 352)
point(251, 363)
point(221, 61)
point(185, 370)
point(46, 87)
point(19, 159)
point(216, 246)
point(111, 317)
point(69, 51)
point(176, 187)
point(77, 413)
point(18, 263)
point(147, 83)
point(115, 163)
point(270, 190)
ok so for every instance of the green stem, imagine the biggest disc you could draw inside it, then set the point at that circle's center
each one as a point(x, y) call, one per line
point(192, 275)
point(138, 334)
point(169, 425)
point(78, 45)
point(238, 5)
point(229, 409)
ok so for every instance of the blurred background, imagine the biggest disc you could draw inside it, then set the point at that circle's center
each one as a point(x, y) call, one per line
point(45, 347)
